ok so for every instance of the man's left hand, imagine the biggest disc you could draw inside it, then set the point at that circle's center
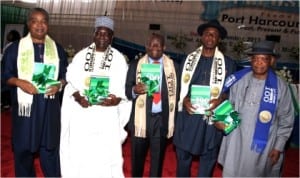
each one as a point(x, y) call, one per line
point(52, 90)
point(111, 100)
point(274, 156)
point(217, 101)
point(214, 103)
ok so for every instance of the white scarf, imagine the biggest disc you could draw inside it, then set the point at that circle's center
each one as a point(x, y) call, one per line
point(105, 63)
point(25, 64)
point(217, 74)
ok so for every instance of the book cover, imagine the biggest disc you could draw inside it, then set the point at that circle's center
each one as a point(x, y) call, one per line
point(200, 96)
point(225, 113)
point(150, 76)
point(98, 89)
point(43, 76)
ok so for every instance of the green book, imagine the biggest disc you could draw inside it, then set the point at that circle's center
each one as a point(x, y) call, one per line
point(43, 76)
point(200, 96)
point(98, 89)
point(150, 76)
point(225, 113)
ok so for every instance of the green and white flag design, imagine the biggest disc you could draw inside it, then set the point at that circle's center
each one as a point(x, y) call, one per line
point(43, 76)
point(98, 89)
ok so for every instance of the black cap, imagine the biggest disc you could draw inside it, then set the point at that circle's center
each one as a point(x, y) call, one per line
point(264, 47)
point(214, 24)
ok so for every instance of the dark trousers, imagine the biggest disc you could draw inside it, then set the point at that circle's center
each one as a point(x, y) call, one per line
point(206, 166)
point(5, 97)
point(140, 146)
point(24, 162)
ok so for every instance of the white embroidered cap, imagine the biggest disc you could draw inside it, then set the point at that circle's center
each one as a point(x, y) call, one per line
point(104, 21)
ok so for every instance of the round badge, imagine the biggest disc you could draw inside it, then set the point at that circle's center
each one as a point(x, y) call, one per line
point(265, 116)
point(186, 78)
point(215, 91)
point(87, 81)
point(140, 103)
point(171, 107)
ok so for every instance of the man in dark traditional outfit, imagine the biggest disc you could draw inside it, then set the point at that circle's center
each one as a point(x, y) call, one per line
point(194, 133)
point(35, 115)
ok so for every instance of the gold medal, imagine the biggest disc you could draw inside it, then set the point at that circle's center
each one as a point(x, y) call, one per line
point(87, 81)
point(140, 103)
point(186, 78)
point(265, 116)
point(171, 107)
point(215, 91)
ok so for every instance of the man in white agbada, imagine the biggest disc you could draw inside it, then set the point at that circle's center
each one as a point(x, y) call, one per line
point(92, 134)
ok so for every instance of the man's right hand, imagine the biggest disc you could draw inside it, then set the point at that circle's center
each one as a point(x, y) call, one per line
point(140, 88)
point(188, 105)
point(220, 125)
point(26, 86)
point(81, 100)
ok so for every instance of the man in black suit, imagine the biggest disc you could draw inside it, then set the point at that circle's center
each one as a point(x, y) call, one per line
point(152, 116)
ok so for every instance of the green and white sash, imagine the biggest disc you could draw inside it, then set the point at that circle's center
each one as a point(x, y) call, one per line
point(217, 74)
point(140, 104)
point(25, 64)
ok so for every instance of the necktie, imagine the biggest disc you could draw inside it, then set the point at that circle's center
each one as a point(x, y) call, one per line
point(156, 96)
